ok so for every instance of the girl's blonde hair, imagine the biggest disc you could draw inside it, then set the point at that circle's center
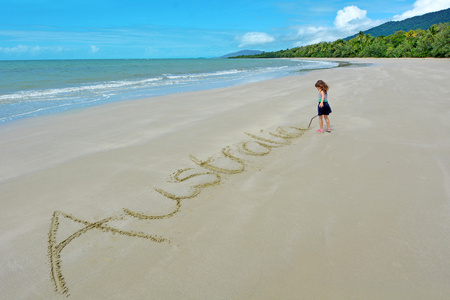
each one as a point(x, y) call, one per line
point(322, 85)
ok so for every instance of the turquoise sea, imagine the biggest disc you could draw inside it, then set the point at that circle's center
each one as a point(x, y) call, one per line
point(42, 87)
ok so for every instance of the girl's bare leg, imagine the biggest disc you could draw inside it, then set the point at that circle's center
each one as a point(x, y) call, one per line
point(321, 122)
point(328, 122)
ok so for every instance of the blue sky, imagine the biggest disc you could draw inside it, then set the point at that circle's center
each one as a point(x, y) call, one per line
point(88, 29)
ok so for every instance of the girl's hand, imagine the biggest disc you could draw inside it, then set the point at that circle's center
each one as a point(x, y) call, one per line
point(322, 97)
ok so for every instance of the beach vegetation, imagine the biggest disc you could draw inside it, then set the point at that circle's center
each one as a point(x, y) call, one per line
point(433, 42)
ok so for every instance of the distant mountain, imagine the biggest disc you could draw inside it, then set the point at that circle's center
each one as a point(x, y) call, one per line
point(419, 22)
point(243, 52)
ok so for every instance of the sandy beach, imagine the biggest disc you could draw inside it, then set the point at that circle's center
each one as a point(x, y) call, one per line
point(225, 194)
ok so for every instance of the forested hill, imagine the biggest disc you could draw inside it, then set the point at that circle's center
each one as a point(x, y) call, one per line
point(419, 22)
point(433, 42)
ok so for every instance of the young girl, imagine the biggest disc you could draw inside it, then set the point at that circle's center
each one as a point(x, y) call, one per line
point(324, 108)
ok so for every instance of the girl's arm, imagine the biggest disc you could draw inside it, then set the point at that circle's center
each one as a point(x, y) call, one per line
point(322, 97)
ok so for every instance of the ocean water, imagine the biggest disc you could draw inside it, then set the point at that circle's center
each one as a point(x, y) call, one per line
point(42, 87)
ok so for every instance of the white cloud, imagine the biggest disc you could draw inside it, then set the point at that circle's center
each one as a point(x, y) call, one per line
point(313, 35)
point(94, 49)
point(15, 50)
point(255, 38)
point(421, 7)
point(21, 49)
point(348, 21)
point(351, 18)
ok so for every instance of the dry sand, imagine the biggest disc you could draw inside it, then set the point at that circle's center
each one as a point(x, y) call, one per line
point(92, 206)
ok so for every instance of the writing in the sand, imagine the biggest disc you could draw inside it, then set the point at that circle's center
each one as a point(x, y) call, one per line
point(206, 173)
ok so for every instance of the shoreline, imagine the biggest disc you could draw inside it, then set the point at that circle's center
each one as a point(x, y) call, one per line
point(358, 213)
point(146, 79)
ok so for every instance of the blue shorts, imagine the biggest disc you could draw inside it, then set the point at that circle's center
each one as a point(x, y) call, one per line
point(325, 110)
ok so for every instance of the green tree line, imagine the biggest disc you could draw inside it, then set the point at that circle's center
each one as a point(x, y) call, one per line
point(433, 42)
